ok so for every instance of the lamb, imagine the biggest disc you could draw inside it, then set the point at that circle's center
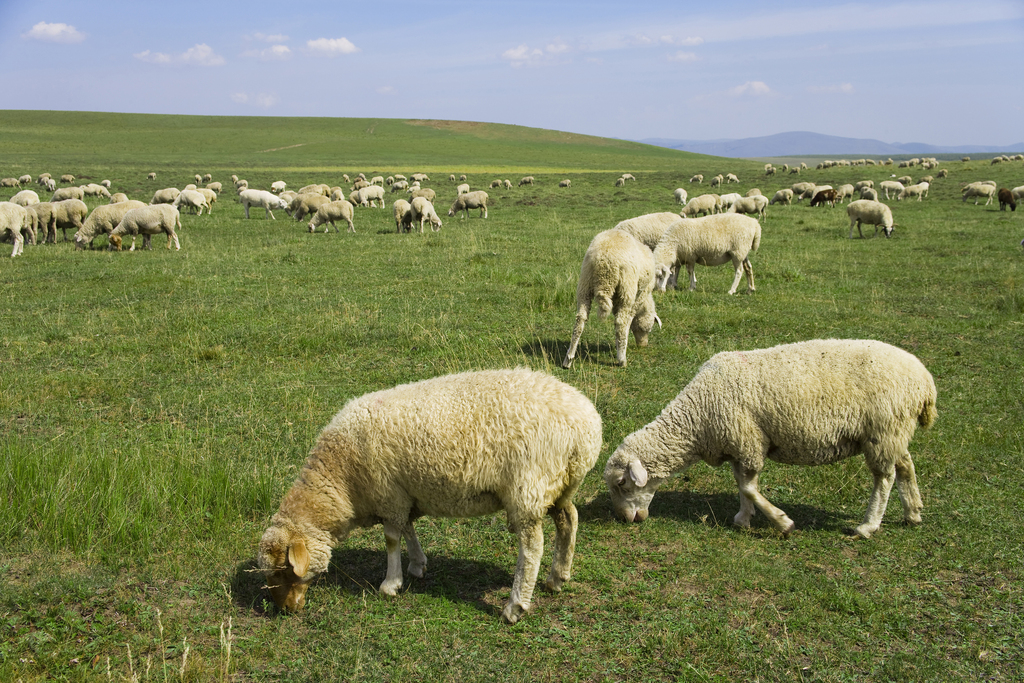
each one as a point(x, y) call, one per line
point(680, 195)
point(198, 178)
point(193, 200)
point(717, 180)
point(869, 212)
point(165, 196)
point(102, 221)
point(892, 186)
point(709, 241)
point(67, 213)
point(451, 178)
point(372, 195)
point(423, 210)
point(617, 271)
point(526, 180)
point(15, 222)
point(403, 215)
point(565, 183)
point(377, 180)
point(68, 193)
point(704, 204)
point(472, 200)
point(1006, 199)
point(844, 192)
point(461, 445)
point(508, 184)
point(331, 212)
point(824, 197)
point(303, 204)
point(699, 179)
point(50, 184)
point(620, 182)
point(919, 190)
point(278, 186)
point(215, 186)
point(148, 221)
point(25, 198)
point(151, 176)
point(753, 206)
point(267, 200)
point(649, 228)
point(494, 184)
point(462, 189)
point(628, 176)
point(784, 196)
point(809, 403)
point(979, 190)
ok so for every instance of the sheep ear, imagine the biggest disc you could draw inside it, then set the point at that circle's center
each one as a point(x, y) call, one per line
point(298, 558)
point(637, 473)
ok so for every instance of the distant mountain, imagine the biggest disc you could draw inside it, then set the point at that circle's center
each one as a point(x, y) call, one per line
point(804, 143)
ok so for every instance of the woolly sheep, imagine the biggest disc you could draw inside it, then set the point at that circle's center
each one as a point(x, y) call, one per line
point(565, 183)
point(422, 210)
point(709, 241)
point(769, 169)
point(190, 186)
point(15, 223)
point(68, 193)
point(814, 189)
point(844, 192)
point(979, 190)
point(325, 190)
point(267, 200)
point(151, 176)
point(102, 221)
point(424, 192)
point(42, 178)
point(289, 195)
point(461, 445)
point(39, 216)
point(207, 177)
point(377, 180)
point(372, 195)
point(105, 183)
point(920, 190)
point(784, 196)
point(419, 177)
point(649, 228)
point(680, 195)
point(403, 215)
point(617, 272)
point(211, 198)
point(27, 179)
point(462, 189)
point(331, 212)
point(752, 206)
point(869, 193)
point(727, 200)
point(942, 173)
point(494, 184)
point(471, 200)
point(398, 176)
point(1006, 199)
point(704, 204)
point(620, 182)
point(526, 180)
point(67, 178)
point(731, 178)
point(278, 186)
point(25, 198)
point(165, 196)
point(891, 186)
point(1018, 192)
point(462, 178)
point(801, 189)
point(869, 212)
point(754, 192)
point(906, 180)
point(508, 184)
point(303, 204)
point(10, 182)
point(699, 178)
point(193, 200)
point(67, 213)
point(198, 178)
point(399, 185)
point(389, 180)
point(809, 403)
point(50, 184)
point(148, 221)
point(628, 176)
point(860, 185)
point(717, 180)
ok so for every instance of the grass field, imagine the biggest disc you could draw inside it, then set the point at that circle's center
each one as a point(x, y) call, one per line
point(156, 405)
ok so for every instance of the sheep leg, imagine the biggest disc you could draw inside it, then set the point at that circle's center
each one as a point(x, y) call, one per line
point(531, 547)
point(173, 236)
point(623, 320)
point(749, 270)
point(417, 560)
point(693, 278)
point(738, 265)
point(566, 520)
point(577, 331)
point(906, 485)
point(351, 226)
point(878, 502)
point(746, 480)
point(393, 543)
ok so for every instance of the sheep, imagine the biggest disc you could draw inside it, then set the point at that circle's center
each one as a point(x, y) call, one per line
point(25, 198)
point(67, 213)
point(1006, 198)
point(891, 186)
point(105, 183)
point(628, 176)
point(451, 178)
point(699, 179)
point(303, 204)
point(494, 184)
point(727, 200)
point(810, 403)
point(795, 170)
point(709, 241)
point(207, 177)
point(165, 196)
point(278, 186)
point(649, 228)
point(565, 183)
point(234, 178)
point(844, 192)
point(67, 178)
point(190, 186)
point(620, 182)
point(151, 176)
point(784, 196)
point(731, 178)
point(869, 212)
point(717, 180)
point(68, 193)
point(10, 182)
point(102, 221)
point(377, 180)
point(462, 178)
point(1018, 192)
point(325, 190)
point(461, 445)
point(905, 180)
point(508, 184)
point(42, 178)
point(704, 204)
point(398, 176)
point(618, 272)
point(754, 206)
point(680, 195)
point(15, 223)
point(860, 185)
point(39, 216)
point(331, 212)
point(211, 198)
point(399, 185)
point(193, 200)
point(920, 190)
point(389, 180)
point(241, 185)
point(345, 177)
point(419, 177)
point(927, 179)
point(979, 190)
point(26, 179)
point(50, 184)
point(267, 200)
point(813, 190)
point(753, 192)
point(372, 195)
point(769, 169)
point(289, 195)
point(198, 178)
point(869, 193)
point(827, 196)
point(403, 215)
point(148, 221)
point(471, 200)
point(526, 180)
point(801, 189)
point(461, 189)
point(422, 210)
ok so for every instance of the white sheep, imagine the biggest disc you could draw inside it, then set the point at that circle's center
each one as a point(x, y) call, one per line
point(25, 198)
point(471, 200)
point(892, 187)
point(198, 178)
point(496, 183)
point(508, 184)
point(422, 210)
point(717, 180)
point(331, 212)
point(526, 180)
point(207, 177)
point(869, 212)
point(1018, 192)
point(267, 200)
point(105, 183)
point(617, 272)
point(15, 223)
point(377, 180)
point(464, 188)
point(809, 403)
point(371, 195)
point(102, 221)
point(800, 190)
point(649, 228)
point(215, 186)
point(67, 213)
point(10, 182)
point(399, 185)
point(193, 200)
point(565, 183)
point(211, 198)
point(784, 196)
point(620, 182)
point(419, 177)
point(50, 184)
point(68, 193)
point(727, 200)
point(844, 192)
point(462, 445)
point(979, 190)
point(731, 178)
point(869, 193)
point(752, 206)
point(148, 221)
point(754, 192)
point(920, 190)
point(628, 176)
point(151, 176)
point(709, 241)
point(680, 195)
point(704, 204)
point(67, 178)
point(165, 196)
point(278, 186)
point(303, 204)
point(403, 215)
point(26, 179)
point(699, 179)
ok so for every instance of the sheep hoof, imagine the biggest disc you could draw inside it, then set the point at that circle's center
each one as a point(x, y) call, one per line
point(864, 531)
point(554, 583)
point(391, 587)
point(417, 570)
point(789, 529)
point(512, 613)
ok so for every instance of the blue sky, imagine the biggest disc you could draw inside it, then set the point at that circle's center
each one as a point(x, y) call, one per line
point(944, 73)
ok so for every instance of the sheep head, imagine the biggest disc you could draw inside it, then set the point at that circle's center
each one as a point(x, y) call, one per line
point(286, 560)
point(630, 486)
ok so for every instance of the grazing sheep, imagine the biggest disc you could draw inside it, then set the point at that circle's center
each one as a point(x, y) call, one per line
point(67, 213)
point(494, 184)
point(942, 173)
point(105, 183)
point(869, 212)
point(704, 204)
point(215, 186)
point(15, 223)
point(193, 200)
point(399, 185)
point(860, 185)
point(377, 180)
point(699, 178)
point(39, 216)
point(403, 215)
point(649, 228)
point(754, 192)
point(198, 178)
point(462, 178)
point(784, 196)
point(809, 403)
point(726, 200)
point(25, 198)
point(906, 180)
point(731, 178)
point(241, 185)
point(331, 212)
point(920, 190)
point(207, 177)
point(1018, 192)
point(869, 193)
point(471, 200)
point(165, 196)
point(752, 206)
point(461, 189)
point(278, 186)
point(680, 195)
point(565, 183)
point(267, 200)
point(617, 272)
point(68, 193)
point(43, 177)
point(102, 221)
point(1006, 199)
point(211, 198)
point(769, 169)
point(508, 184)
point(795, 170)
point(844, 192)
point(26, 179)
point(801, 190)
point(372, 195)
point(526, 180)
point(419, 177)
point(891, 186)
point(620, 182)
point(148, 221)
point(979, 190)
point(628, 176)
point(422, 210)
point(151, 176)
point(424, 192)
point(717, 180)
point(67, 178)
point(50, 184)
point(461, 445)
point(709, 241)
point(827, 196)
point(451, 178)
point(303, 204)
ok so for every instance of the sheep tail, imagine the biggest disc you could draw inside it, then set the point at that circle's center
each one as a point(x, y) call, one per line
point(756, 244)
point(604, 304)
point(928, 413)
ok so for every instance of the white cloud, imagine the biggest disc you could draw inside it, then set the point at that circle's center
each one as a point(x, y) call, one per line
point(690, 42)
point(200, 54)
point(557, 48)
point(55, 33)
point(270, 54)
point(332, 46)
point(266, 100)
point(263, 100)
point(239, 97)
point(754, 88)
point(842, 88)
point(683, 57)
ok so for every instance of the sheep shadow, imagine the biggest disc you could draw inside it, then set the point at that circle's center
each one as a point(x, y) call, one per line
point(597, 353)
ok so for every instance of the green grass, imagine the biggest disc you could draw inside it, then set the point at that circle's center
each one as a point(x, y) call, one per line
point(155, 407)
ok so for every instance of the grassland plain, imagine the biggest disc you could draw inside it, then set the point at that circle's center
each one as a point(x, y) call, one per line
point(155, 406)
